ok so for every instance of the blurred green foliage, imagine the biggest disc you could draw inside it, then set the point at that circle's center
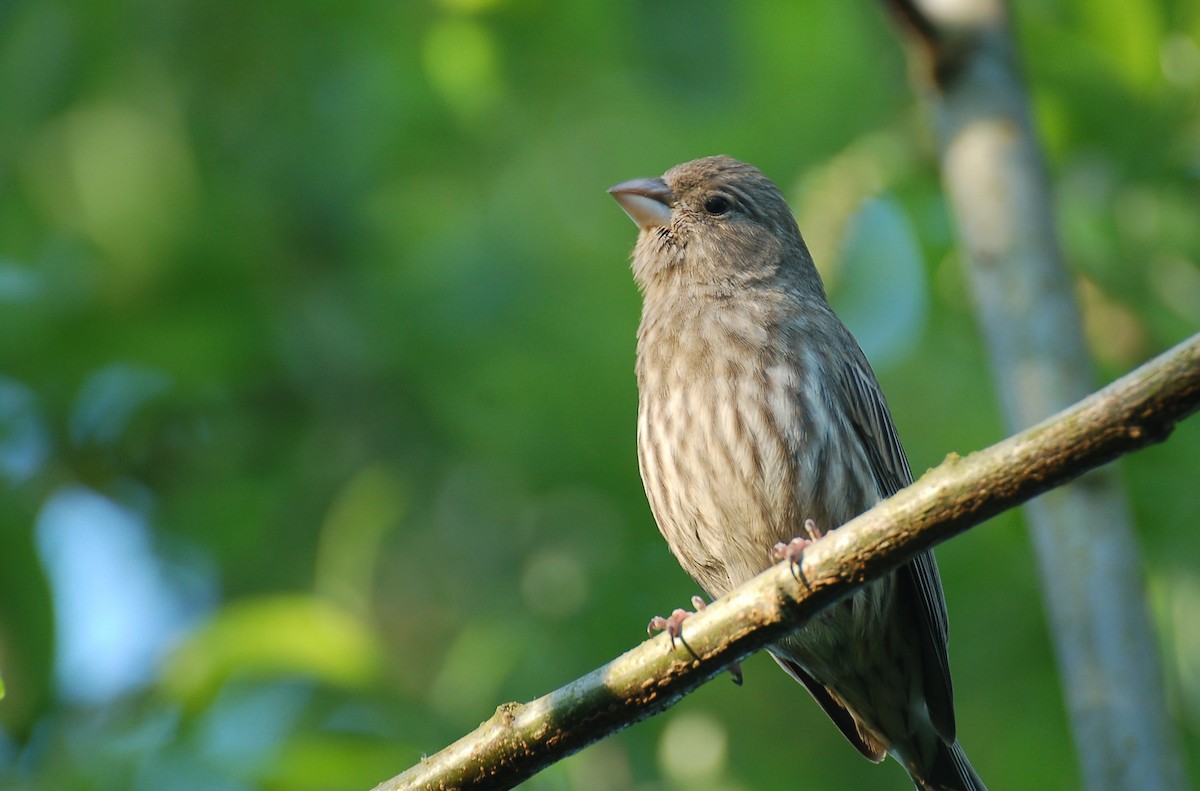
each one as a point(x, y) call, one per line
point(324, 309)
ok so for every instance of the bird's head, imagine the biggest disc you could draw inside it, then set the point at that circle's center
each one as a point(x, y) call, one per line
point(713, 223)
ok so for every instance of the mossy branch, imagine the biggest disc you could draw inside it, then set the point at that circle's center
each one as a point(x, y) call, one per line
point(521, 739)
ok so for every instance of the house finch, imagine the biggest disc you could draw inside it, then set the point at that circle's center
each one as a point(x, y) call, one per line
point(759, 420)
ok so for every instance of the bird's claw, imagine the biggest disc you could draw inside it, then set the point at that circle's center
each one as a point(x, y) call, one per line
point(673, 623)
point(673, 626)
point(793, 551)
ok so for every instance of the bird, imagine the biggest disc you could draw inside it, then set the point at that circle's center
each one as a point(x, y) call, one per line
point(761, 426)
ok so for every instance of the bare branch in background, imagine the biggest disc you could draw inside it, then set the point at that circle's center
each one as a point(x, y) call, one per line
point(965, 59)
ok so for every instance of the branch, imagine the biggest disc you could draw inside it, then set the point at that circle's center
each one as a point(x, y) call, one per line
point(519, 740)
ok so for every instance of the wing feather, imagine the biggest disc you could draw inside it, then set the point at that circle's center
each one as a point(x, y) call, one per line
point(919, 579)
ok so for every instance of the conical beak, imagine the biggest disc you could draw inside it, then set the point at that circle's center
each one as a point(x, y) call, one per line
point(648, 202)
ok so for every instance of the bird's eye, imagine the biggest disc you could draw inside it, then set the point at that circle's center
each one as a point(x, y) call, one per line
point(717, 204)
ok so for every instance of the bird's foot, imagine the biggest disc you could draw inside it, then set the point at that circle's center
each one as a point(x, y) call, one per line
point(673, 626)
point(673, 623)
point(793, 551)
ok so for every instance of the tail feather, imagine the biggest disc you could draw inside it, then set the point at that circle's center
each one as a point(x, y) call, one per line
point(950, 771)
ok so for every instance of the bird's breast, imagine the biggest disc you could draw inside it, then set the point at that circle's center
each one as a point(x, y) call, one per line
point(718, 438)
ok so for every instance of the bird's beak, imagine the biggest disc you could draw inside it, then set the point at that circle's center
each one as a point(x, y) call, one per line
point(648, 202)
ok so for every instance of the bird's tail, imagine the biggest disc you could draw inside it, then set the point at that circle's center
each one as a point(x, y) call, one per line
point(950, 771)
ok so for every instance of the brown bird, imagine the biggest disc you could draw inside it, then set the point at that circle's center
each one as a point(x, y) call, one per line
point(758, 413)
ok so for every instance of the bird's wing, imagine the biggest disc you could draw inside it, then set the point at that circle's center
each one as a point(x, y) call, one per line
point(870, 747)
point(918, 579)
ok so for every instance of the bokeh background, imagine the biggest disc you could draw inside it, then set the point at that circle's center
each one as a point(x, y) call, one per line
point(316, 369)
